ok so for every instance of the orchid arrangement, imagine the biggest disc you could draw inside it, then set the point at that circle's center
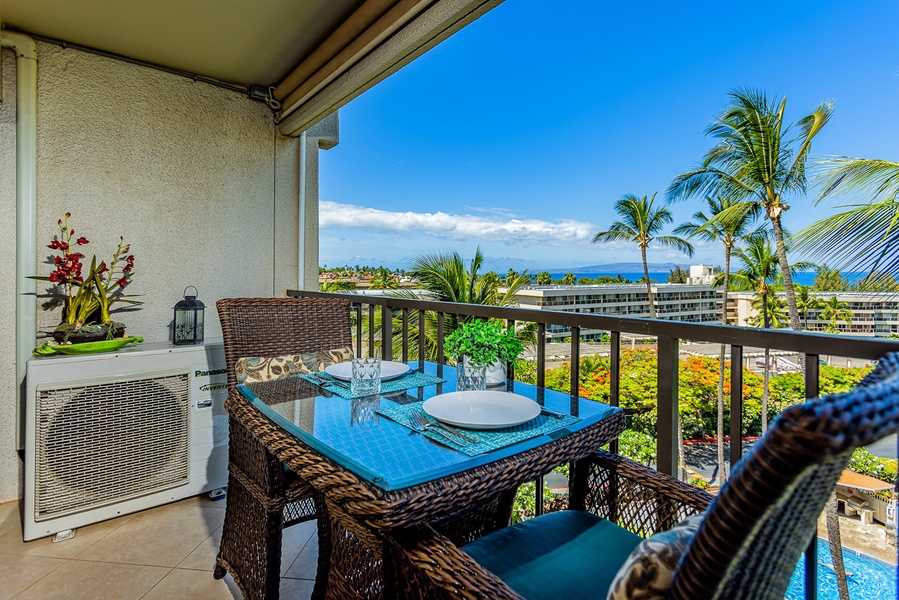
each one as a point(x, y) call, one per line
point(91, 296)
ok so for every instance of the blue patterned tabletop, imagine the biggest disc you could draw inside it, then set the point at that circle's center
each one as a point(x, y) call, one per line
point(390, 455)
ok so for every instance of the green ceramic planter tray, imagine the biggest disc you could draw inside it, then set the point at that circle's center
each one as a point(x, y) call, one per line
point(86, 348)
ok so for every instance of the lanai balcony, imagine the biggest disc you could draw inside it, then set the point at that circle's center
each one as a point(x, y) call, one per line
point(194, 134)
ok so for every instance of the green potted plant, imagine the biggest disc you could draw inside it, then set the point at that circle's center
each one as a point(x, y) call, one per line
point(485, 343)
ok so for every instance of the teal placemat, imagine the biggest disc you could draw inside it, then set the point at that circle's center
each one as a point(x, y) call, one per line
point(342, 388)
point(487, 439)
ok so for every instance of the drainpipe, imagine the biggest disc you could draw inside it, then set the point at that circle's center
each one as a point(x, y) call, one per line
point(26, 209)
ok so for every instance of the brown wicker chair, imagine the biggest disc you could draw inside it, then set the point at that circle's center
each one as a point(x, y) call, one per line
point(264, 496)
point(753, 533)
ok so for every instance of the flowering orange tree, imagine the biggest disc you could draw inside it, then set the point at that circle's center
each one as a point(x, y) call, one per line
point(697, 389)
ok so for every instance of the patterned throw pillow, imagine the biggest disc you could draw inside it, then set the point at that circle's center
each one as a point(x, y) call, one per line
point(262, 368)
point(649, 570)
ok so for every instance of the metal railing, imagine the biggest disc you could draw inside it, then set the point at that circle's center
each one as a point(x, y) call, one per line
point(396, 311)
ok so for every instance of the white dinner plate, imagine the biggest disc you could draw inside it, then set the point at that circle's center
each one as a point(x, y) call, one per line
point(481, 410)
point(389, 370)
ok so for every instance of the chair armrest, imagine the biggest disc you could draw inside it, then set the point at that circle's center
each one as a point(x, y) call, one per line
point(431, 564)
point(632, 495)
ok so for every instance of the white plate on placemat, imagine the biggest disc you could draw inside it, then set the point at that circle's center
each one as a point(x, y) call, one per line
point(481, 410)
point(389, 370)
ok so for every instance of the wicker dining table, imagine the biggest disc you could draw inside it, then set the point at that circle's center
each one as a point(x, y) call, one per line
point(371, 475)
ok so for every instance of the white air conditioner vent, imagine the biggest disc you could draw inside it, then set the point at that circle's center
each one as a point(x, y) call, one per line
point(106, 442)
point(114, 433)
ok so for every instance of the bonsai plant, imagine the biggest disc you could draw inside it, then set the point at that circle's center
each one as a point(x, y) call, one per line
point(484, 343)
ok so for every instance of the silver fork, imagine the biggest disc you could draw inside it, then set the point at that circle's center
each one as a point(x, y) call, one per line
point(422, 421)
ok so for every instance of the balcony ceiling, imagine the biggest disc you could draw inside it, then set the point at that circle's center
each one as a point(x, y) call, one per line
point(317, 54)
point(254, 42)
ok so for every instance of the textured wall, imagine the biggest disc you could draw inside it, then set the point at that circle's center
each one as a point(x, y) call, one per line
point(194, 177)
point(10, 471)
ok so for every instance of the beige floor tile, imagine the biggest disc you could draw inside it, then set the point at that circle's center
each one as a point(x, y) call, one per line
point(301, 589)
point(185, 584)
point(164, 536)
point(82, 580)
point(293, 542)
point(203, 557)
point(11, 536)
point(306, 564)
point(17, 572)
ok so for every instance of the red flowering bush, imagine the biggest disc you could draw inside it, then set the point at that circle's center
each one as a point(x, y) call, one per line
point(88, 297)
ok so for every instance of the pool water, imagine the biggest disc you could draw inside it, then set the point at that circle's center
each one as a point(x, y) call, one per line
point(871, 579)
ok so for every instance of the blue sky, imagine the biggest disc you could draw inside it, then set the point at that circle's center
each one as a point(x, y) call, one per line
point(520, 132)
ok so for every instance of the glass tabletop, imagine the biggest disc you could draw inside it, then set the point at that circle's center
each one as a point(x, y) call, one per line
point(383, 452)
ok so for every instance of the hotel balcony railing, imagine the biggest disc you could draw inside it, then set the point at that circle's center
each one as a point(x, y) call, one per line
point(397, 311)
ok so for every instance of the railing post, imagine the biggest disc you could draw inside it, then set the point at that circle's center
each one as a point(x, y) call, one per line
point(614, 377)
point(386, 333)
point(541, 354)
point(736, 408)
point(358, 308)
point(667, 423)
point(405, 335)
point(510, 368)
point(575, 362)
point(440, 357)
point(421, 338)
point(371, 329)
point(811, 553)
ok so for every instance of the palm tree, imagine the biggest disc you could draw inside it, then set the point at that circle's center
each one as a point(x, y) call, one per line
point(543, 278)
point(384, 280)
point(806, 301)
point(641, 223)
point(444, 276)
point(776, 308)
point(568, 279)
point(864, 236)
point(760, 267)
point(754, 161)
point(832, 311)
point(729, 231)
point(336, 285)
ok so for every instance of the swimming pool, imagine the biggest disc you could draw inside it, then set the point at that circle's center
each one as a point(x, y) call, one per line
point(871, 579)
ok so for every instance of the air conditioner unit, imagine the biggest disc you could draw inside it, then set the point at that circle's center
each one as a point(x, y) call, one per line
point(110, 434)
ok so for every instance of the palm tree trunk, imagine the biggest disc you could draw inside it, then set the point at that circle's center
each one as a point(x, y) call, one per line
point(766, 375)
point(652, 308)
point(785, 272)
point(722, 475)
point(836, 545)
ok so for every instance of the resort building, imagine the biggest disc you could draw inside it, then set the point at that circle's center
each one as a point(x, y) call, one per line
point(674, 302)
point(874, 314)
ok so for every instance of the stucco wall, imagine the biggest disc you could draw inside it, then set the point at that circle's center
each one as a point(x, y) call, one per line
point(10, 471)
point(194, 177)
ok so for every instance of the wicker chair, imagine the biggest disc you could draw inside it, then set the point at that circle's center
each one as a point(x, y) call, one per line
point(264, 496)
point(747, 544)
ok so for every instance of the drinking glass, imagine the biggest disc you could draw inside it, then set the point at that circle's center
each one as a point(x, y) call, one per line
point(366, 376)
point(471, 376)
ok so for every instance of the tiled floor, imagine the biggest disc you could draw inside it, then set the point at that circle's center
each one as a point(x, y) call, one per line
point(166, 552)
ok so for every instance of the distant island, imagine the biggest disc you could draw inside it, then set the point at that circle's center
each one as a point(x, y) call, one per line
point(622, 267)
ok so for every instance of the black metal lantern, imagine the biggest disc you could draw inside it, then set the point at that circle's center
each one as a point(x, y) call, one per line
point(189, 313)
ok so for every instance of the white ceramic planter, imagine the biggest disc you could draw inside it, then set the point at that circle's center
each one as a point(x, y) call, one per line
point(496, 373)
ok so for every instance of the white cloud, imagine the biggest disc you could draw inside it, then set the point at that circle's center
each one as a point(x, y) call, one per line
point(498, 228)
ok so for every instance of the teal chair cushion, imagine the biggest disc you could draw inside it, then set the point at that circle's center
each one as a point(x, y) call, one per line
point(564, 555)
